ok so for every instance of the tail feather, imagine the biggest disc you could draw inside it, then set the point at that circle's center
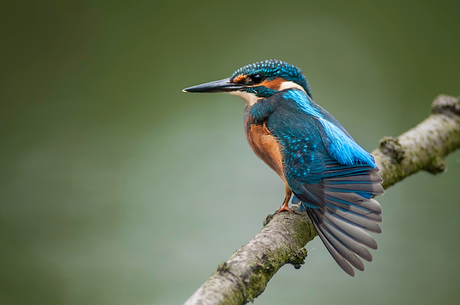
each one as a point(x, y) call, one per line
point(367, 187)
point(335, 254)
point(346, 212)
point(343, 251)
point(359, 211)
point(354, 232)
point(371, 177)
point(354, 245)
point(353, 199)
point(355, 219)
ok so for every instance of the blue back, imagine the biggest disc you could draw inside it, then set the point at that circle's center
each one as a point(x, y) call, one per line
point(309, 135)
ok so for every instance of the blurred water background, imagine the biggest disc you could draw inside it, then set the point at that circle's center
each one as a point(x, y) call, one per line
point(117, 188)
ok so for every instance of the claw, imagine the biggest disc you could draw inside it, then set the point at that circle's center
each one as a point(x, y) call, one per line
point(287, 197)
point(284, 207)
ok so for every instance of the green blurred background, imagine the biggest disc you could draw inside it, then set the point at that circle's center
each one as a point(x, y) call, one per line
point(117, 188)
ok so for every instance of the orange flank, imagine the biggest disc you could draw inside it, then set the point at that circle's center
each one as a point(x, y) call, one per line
point(267, 148)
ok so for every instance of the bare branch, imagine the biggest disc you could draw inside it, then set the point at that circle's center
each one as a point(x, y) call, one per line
point(282, 240)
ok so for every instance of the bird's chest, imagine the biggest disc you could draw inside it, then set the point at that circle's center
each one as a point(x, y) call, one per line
point(265, 146)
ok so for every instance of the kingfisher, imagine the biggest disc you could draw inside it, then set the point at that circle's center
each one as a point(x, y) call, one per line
point(324, 170)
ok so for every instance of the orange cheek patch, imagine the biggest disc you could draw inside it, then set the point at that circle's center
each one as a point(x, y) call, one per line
point(274, 84)
point(240, 78)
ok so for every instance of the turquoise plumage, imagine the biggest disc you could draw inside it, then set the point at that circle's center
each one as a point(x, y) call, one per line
point(323, 168)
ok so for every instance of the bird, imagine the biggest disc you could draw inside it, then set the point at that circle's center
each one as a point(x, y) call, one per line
point(324, 170)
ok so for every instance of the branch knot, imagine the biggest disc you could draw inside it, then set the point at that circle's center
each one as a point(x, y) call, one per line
point(298, 258)
point(268, 219)
point(223, 268)
point(444, 104)
point(392, 148)
point(436, 166)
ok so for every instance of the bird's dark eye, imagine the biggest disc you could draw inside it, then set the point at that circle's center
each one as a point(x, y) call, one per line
point(257, 78)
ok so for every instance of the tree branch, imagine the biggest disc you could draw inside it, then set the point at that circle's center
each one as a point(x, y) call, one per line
point(282, 240)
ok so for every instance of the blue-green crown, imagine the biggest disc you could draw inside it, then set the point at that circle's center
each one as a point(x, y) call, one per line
point(273, 68)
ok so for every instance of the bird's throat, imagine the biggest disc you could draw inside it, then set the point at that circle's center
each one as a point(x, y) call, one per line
point(248, 98)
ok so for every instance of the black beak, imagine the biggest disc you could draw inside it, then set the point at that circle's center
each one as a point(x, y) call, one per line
point(223, 85)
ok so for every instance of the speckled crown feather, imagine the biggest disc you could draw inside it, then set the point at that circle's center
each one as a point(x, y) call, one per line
point(274, 68)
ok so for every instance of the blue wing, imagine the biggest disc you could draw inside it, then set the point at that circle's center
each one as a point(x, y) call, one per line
point(332, 177)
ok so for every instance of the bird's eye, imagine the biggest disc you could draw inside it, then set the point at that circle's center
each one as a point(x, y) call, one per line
point(257, 78)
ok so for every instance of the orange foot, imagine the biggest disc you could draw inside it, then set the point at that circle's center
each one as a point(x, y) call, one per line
point(284, 207)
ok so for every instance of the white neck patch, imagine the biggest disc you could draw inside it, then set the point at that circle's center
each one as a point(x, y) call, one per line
point(248, 98)
point(290, 85)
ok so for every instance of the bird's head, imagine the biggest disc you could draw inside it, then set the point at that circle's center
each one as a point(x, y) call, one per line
point(257, 81)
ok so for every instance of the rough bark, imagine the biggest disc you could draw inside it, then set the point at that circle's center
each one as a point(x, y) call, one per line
point(282, 240)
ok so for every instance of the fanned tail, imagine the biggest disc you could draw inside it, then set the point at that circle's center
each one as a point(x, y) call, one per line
point(346, 212)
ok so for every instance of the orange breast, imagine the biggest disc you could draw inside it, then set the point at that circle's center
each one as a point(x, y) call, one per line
point(266, 147)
